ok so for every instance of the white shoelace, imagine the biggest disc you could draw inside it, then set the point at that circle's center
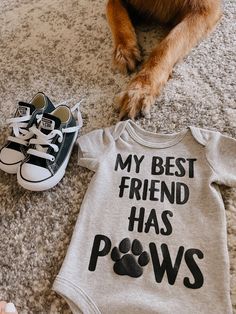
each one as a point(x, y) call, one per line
point(46, 139)
point(19, 125)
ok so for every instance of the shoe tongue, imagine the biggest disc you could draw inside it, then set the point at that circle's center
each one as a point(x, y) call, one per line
point(49, 123)
point(25, 109)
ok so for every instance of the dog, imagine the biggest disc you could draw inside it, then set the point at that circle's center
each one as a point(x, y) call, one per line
point(191, 21)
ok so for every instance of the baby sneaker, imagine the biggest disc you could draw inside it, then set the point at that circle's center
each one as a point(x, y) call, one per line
point(51, 149)
point(27, 115)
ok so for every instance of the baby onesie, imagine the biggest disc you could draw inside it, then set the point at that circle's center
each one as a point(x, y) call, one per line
point(151, 232)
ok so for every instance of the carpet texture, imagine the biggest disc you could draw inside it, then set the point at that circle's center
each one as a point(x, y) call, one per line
point(64, 49)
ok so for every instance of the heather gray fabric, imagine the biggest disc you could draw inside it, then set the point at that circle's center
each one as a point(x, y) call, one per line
point(151, 233)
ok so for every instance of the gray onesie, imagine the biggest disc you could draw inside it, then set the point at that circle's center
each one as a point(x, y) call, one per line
point(151, 232)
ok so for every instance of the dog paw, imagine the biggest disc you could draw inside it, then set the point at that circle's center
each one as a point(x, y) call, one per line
point(130, 264)
point(138, 97)
point(126, 57)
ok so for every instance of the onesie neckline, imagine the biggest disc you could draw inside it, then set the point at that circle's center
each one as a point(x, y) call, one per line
point(160, 140)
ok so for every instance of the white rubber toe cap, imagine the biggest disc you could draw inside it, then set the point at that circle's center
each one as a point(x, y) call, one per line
point(10, 159)
point(33, 173)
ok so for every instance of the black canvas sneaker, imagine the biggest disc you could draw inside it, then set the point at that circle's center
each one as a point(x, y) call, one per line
point(52, 146)
point(27, 115)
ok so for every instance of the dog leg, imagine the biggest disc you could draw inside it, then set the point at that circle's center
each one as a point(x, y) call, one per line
point(148, 83)
point(126, 52)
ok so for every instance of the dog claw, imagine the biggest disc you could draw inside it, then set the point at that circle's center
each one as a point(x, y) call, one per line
point(137, 99)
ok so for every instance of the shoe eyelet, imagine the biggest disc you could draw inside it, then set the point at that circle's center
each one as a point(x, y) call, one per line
point(53, 159)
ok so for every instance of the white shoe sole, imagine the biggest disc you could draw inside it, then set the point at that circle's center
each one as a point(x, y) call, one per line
point(52, 181)
point(12, 169)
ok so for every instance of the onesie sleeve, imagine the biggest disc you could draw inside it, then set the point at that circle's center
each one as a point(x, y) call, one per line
point(221, 154)
point(92, 147)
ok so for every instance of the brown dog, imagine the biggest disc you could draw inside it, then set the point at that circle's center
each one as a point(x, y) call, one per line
point(192, 20)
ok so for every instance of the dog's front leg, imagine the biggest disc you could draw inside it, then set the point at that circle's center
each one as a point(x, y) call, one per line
point(148, 83)
point(126, 52)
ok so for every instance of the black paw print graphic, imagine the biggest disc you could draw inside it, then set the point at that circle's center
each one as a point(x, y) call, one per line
point(128, 264)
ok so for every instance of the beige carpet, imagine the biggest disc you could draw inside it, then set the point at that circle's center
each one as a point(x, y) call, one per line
point(64, 49)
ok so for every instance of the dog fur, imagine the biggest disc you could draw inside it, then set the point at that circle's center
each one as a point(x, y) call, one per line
point(192, 20)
